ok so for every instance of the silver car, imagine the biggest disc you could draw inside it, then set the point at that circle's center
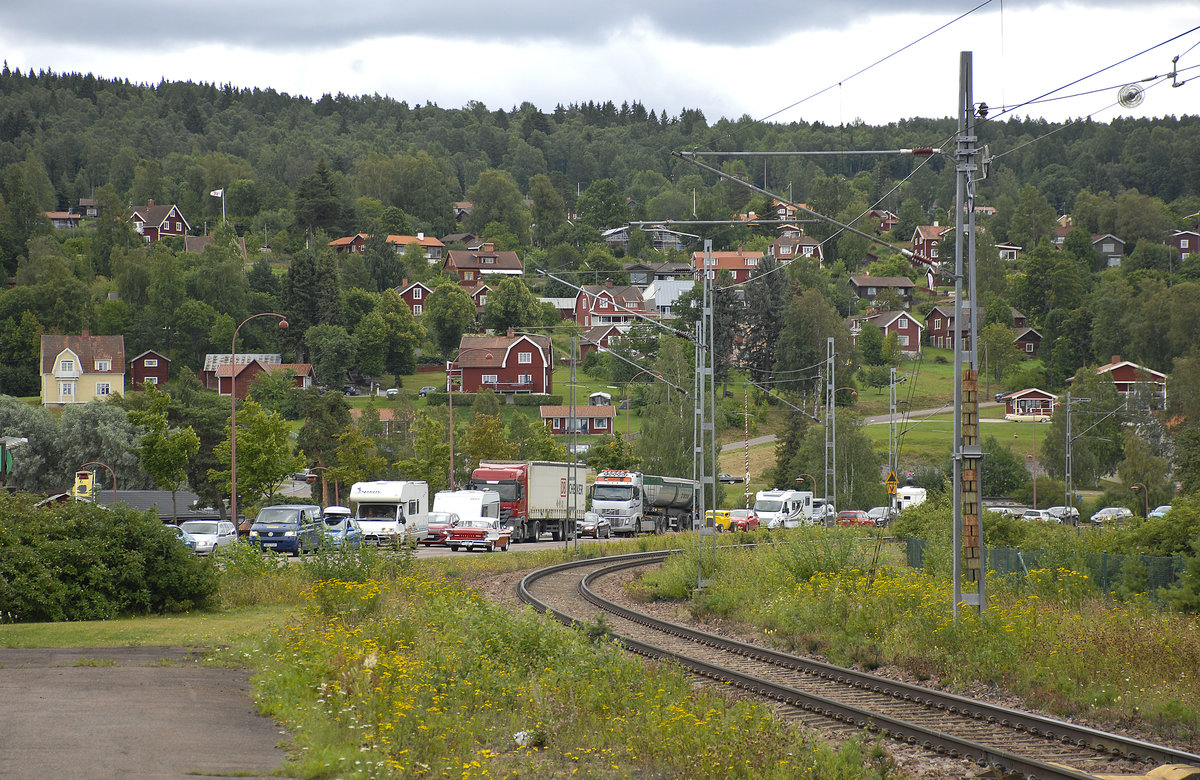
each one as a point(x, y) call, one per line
point(210, 535)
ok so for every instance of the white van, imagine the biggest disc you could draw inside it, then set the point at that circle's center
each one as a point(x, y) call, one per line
point(784, 508)
point(468, 504)
point(390, 511)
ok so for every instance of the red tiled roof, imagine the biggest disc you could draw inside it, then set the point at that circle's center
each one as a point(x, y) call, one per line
point(581, 412)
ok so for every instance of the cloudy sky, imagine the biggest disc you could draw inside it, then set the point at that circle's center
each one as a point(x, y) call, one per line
point(789, 60)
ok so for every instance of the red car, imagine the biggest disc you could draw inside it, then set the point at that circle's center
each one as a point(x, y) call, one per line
point(482, 534)
point(743, 520)
point(854, 517)
point(440, 524)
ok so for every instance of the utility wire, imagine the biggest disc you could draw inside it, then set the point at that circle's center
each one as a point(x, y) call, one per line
point(877, 62)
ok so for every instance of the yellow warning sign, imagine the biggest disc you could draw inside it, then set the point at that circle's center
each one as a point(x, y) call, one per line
point(892, 483)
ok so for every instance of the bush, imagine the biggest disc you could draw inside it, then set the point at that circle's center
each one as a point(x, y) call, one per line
point(78, 561)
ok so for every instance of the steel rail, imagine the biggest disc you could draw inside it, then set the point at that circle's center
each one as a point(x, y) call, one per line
point(1049, 729)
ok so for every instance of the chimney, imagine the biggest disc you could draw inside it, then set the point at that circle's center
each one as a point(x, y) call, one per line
point(511, 333)
point(85, 333)
point(420, 236)
point(489, 247)
point(1116, 358)
point(149, 201)
point(608, 282)
point(403, 283)
point(935, 223)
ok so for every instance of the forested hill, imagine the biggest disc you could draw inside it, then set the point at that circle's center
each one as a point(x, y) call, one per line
point(174, 142)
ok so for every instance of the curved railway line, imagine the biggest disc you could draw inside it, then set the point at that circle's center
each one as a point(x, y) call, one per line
point(1012, 742)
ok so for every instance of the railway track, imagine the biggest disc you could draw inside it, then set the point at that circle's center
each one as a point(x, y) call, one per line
point(1010, 742)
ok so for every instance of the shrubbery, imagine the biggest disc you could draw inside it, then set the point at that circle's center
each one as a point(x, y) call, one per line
point(78, 561)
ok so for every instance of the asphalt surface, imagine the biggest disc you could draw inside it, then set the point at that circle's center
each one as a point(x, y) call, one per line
point(116, 712)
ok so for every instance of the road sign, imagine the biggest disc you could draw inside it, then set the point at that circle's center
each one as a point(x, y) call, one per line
point(892, 483)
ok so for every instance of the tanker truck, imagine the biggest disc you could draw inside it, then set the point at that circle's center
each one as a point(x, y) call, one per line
point(535, 496)
point(635, 502)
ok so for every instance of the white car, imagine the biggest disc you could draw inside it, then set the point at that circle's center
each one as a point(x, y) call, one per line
point(1160, 511)
point(210, 534)
point(1067, 515)
point(1037, 514)
point(1112, 514)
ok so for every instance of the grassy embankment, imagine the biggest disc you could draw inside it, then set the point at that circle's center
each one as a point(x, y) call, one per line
point(380, 665)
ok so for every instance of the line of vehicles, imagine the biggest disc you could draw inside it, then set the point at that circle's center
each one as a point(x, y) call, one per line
point(506, 502)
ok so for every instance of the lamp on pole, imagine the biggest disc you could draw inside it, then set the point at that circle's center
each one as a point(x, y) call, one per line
point(800, 480)
point(233, 409)
point(1145, 495)
point(337, 497)
point(111, 473)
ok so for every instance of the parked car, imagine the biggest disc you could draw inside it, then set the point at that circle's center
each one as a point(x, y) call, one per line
point(426, 390)
point(1160, 511)
point(881, 515)
point(289, 528)
point(1068, 515)
point(392, 392)
point(719, 519)
point(440, 524)
point(1037, 514)
point(188, 540)
point(1112, 514)
point(743, 520)
point(483, 534)
point(341, 529)
point(210, 535)
point(729, 479)
point(853, 517)
point(349, 390)
point(594, 525)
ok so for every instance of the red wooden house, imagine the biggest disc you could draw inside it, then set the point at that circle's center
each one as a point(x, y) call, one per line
point(597, 339)
point(1127, 377)
point(1186, 241)
point(150, 366)
point(154, 222)
point(795, 244)
point(473, 265)
point(868, 287)
point(901, 323)
point(608, 304)
point(740, 264)
point(414, 295)
point(584, 419)
point(1029, 405)
point(925, 240)
point(506, 364)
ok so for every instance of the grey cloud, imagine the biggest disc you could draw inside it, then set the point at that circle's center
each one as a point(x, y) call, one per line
point(274, 24)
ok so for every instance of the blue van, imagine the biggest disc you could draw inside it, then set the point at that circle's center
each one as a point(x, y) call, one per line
point(288, 528)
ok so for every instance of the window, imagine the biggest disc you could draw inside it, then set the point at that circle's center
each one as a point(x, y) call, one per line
point(151, 379)
point(751, 261)
point(103, 388)
point(468, 275)
point(902, 324)
point(1183, 243)
point(417, 309)
point(871, 292)
point(524, 357)
point(66, 366)
point(785, 249)
point(417, 291)
point(66, 389)
point(104, 365)
point(603, 304)
point(487, 260)
point(936, 324)
point(600, 423)
point(1029, 347)
point(525, 379)
point(902, 340)
point(483, 300)
point(1107, 248)
point(151, 363)
point(490, 379)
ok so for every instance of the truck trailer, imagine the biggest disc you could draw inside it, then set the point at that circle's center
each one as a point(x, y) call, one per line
point(637, 503)
point(535, 496)
point(390, 512)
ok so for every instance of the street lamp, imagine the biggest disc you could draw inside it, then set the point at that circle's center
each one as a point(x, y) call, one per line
point(1145, 495)
point(233, 409)
point(111, 473)
point(629, 401)
point(800, 480)
point(337, 496)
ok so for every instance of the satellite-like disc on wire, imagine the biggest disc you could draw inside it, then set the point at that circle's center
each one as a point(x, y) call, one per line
point(1131, 96)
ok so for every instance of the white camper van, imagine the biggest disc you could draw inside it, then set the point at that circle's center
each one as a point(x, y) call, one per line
point(469, 504)
point(784, 508)
point(389, 512)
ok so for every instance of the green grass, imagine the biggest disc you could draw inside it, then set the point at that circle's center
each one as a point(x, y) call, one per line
point(194, 629)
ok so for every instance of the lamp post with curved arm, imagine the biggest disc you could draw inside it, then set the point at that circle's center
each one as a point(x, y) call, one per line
point(833, 438)
point(800, 480)
point(629, 401)
point(337, 497)
point(111, 473)
point(283, 323)
point(1145, 495)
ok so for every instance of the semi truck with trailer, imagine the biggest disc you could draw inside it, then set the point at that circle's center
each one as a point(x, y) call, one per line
point(637, 503)
point(391, 512)
point(535, 496)
point(784, 508)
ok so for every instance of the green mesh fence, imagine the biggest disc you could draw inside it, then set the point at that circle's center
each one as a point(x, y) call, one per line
point(1112, 573)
